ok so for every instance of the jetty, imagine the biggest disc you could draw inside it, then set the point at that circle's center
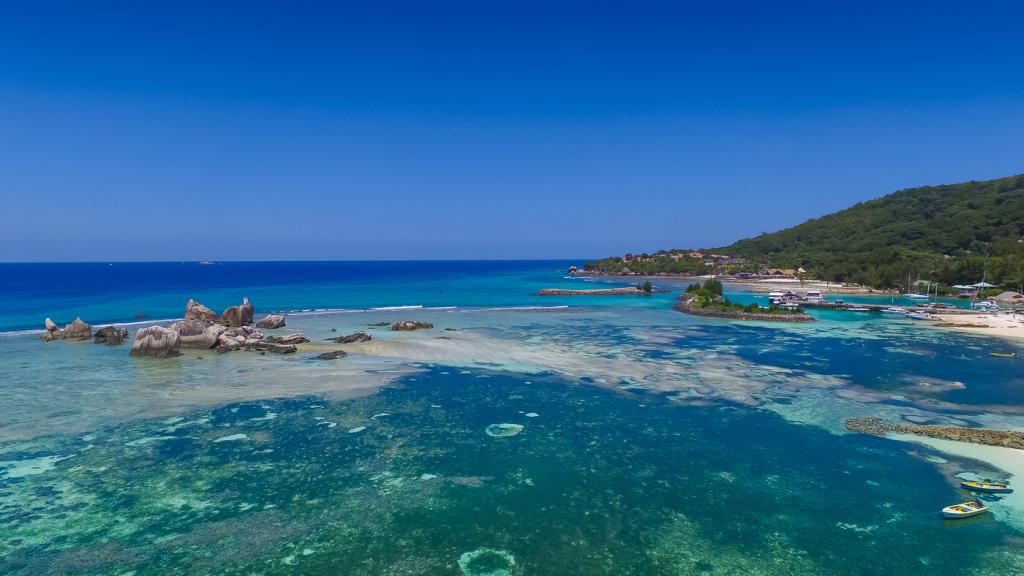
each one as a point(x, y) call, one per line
point(877, 427)
point(599, 292)
point(843, 306)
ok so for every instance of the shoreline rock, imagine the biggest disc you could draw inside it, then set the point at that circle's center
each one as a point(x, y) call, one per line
point(52, 331)
point(352, 338)
point(877, 427)
point(111, 335)
point(77, 330)
point(407, 325)
point(241, 315)
point(271, 322)
point(288, 339)
point(156, 342)
point(333, 355)
point(196, 311)
point(199, 334)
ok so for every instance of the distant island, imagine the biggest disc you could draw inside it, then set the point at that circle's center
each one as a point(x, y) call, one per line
point(952, 235)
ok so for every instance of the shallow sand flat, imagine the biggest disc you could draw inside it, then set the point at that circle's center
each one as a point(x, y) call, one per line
point(1002, 326)
point(1009, 507)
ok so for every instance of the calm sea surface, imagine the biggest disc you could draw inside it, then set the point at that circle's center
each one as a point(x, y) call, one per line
point(522, 435)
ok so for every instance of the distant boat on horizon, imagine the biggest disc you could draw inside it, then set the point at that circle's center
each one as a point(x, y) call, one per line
point(206, 262)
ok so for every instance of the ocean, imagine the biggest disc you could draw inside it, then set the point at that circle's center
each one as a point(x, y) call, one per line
point(522, 435)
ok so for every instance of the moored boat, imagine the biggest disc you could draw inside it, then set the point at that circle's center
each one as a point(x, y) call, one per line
point(964, 510)
point(1003, 354)
point(919, 316)
point(986, 486)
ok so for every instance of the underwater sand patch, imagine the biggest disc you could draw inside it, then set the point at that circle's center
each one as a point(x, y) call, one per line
point(486, 562)
point(504, 430)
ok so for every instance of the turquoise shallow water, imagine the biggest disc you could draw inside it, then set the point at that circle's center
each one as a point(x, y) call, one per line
point(610, 436)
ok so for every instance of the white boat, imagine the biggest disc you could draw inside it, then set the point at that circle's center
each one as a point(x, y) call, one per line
point(965, 510)
point(857, 309)
point(919, 316)
point(813, 296)
point(916, 296)
point(894, 310)
point(985, 305)
point(776, 296)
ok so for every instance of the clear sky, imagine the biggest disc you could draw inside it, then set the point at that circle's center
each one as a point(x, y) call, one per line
point(483, 129)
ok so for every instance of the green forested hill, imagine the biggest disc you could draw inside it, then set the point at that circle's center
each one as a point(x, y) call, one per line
point(952, 233)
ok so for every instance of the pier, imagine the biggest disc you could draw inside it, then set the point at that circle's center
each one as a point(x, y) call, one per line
point(825, 305)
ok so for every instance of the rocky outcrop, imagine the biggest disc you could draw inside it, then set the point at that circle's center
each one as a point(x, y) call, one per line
point(77, 330)
point(352, 338)
point(52, 331)
point(877, 427)
point(200, 334)
point(407, 325)
point(240, 338)
point(196, 311)
point(156, 342)
point(379, 324)
point(111, 335)
point(296, 338)
point(241, 315)
point(271, 322)
point(333, 355)
point(275, 347)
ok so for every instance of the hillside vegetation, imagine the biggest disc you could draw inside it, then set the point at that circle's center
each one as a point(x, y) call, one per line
point(953, 234)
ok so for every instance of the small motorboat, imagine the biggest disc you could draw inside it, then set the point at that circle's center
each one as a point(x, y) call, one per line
point(986, 486)
point(858, 309)
point(1003, 354)
point(894, 310)
point(919, 316)
point(964, 510)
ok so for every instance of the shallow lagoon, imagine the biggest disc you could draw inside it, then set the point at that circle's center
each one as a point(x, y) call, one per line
point(598, 483)
point(614, 436)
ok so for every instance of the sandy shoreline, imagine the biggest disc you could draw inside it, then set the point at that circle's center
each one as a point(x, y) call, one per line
point(987, 324)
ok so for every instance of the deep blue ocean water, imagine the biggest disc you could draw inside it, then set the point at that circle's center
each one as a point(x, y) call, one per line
point(633, 439)
point(116, 292)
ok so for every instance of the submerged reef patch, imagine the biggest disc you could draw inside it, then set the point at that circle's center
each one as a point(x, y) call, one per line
point(504, 430)
point(486, 562)
point(608, 484)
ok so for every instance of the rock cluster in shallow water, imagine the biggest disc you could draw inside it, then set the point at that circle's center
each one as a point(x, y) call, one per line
point(271, 322)
point(202, 329)
point(352, 338)
point(877, 427)
point(111, 335)
point(406, 325)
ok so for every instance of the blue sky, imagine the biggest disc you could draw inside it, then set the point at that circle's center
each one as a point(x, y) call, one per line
point(483, 129)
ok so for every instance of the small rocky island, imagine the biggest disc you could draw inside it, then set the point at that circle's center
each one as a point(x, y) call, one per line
point(707, 300)
point(878, 427)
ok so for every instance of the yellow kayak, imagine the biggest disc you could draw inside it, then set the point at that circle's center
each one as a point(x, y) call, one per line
point(1003, 354)
point(965, 510)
